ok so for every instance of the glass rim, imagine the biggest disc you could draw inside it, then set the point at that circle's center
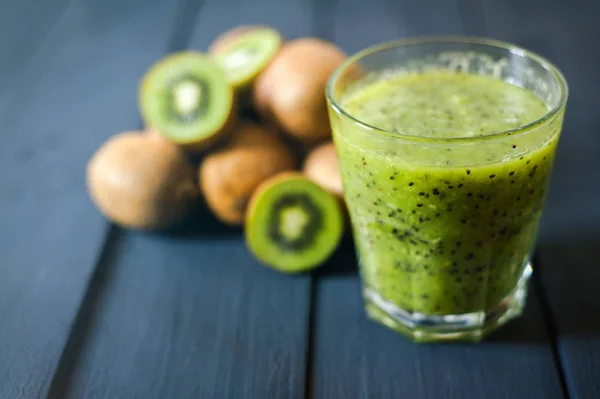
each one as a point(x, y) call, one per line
point(511, 48)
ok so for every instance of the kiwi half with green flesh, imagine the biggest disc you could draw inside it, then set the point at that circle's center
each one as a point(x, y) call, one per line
point(186, 97)
point(292, 224)
point(229, 177)
point(245, 51)
point(142, 182)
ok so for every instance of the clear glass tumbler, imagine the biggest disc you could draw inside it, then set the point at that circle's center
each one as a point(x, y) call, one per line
point(444, 227)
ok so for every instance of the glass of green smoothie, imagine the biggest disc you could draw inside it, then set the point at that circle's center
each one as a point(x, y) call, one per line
point(446, 147)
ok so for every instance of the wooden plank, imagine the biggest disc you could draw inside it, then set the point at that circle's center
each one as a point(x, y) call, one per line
point(292, 18)
point(571, 47)
point(571, 229)
point(194, 315)
point(355, 358)
point(570, 276)
point(79, 88)
point(24, 24)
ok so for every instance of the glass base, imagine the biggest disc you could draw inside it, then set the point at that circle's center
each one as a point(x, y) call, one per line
point(460, 327)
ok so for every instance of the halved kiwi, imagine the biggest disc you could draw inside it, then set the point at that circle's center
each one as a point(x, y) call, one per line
point(245, 51)
point(292, 224)
point(186, 97)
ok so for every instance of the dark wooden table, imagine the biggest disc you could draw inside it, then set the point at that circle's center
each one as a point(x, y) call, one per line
point(88, 310)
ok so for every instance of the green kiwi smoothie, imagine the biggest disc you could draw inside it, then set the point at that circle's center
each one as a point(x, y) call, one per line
point(444, 186)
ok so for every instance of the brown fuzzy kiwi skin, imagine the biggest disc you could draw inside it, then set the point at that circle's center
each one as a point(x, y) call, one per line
point(261, 97)
point(229, 177)
point(291, 90)
point(254, 135)
point(223, 41)
point(140, 182)
point(322, 167)
point(152, 132)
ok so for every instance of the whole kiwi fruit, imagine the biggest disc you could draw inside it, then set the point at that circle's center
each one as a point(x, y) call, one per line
point(142, 182)
point(322, 166)
point(229, 177)
point(291, 91)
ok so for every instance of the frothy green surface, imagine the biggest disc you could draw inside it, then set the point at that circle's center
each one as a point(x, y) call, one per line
point(444, 237)
point(439, 104)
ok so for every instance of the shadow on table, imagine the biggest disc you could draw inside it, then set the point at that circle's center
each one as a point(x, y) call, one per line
point(343, 261)
point(563, 295)
point(203, 225)
point(570, 278)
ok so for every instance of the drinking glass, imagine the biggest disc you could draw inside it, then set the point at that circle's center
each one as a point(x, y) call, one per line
point(444, 227)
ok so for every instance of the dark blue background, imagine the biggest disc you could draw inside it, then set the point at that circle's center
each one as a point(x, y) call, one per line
point(90, 311)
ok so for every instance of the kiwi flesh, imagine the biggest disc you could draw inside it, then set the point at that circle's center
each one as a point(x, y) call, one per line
point(141, 182)
point(291, 91)
point(187, 98)
point(292, 224)
point(245, 51)
point(229, 177)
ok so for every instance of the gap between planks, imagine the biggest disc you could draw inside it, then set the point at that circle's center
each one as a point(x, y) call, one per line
point(181, 32)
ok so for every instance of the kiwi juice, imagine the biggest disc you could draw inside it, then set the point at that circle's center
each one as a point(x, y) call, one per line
point(445, 225)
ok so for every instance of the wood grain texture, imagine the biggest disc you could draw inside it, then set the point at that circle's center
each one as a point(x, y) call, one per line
point(570, 278)
point(355, 358)
point(193, 315)
point(79, 88)
point(565, 32)
point(293, 18)
point(24, 26)
point(194, 318)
